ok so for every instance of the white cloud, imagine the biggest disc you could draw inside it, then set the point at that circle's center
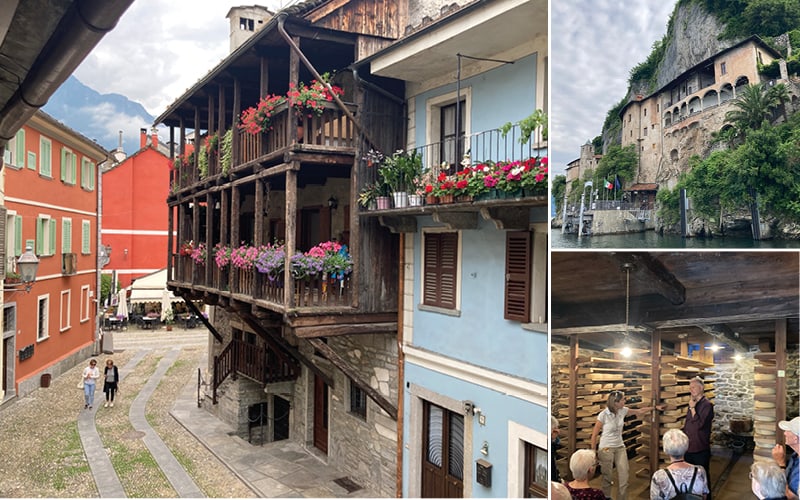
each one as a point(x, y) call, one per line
point(160, 48)
point(594, 45)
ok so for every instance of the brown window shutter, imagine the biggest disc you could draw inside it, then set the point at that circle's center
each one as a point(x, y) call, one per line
point(440, 267)
point(519, 255)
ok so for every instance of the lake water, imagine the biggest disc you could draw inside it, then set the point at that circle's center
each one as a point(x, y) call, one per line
point(650, 239)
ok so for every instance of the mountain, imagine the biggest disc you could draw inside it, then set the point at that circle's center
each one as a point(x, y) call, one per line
point(99, 117)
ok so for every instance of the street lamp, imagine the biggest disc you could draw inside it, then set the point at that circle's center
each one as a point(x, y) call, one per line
point(27, 265)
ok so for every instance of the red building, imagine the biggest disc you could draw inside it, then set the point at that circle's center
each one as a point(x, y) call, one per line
point(51, 206)
point(134, 209)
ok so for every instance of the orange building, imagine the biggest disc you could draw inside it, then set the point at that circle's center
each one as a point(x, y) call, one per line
point(51, 206)
point(134, 220)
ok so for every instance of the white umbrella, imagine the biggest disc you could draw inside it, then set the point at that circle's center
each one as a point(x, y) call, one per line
point(122, 306)
point(166, 306)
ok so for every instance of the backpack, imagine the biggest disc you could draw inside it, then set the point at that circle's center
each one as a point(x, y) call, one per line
point(685, 493)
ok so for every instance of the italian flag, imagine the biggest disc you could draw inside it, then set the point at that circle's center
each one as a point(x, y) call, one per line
point(609, 185)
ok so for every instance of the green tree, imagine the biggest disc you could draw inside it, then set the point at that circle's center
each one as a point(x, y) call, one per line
point(771, 17)
point(668, 209)
point(597, 143)
point(557, 190)
point(705, 183)
point(617, 161)
point(779, 94)
point(753, 107)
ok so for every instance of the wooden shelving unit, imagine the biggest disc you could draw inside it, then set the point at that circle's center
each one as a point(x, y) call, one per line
point(764, 387)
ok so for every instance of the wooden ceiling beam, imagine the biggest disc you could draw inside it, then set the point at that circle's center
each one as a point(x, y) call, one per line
point(650, 269)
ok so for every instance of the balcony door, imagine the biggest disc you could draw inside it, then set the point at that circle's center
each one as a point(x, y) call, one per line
point(451, 133)
point(314, 227)
point(442, 453)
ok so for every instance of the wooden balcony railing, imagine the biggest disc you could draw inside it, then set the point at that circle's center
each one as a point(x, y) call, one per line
point(258, 363)
point(332, 130)
point(317, 291)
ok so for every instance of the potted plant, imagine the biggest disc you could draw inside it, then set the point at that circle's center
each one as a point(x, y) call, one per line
point(368, 195)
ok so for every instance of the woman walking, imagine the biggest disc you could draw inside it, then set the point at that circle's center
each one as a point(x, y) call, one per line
point(612, 451)
point(111, 383)
point(90, 375)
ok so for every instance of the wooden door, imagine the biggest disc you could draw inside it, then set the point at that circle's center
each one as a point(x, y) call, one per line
point(320, 414)
point(442, 453)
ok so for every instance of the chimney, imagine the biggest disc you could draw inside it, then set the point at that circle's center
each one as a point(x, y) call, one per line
point(154, 138)
point(142, 138)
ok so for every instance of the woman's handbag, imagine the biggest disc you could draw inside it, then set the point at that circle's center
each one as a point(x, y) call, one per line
point(80, 384)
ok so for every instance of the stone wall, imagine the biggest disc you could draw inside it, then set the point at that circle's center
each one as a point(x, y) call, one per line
point(793, 382)
point(367, 449)
point(733, 389)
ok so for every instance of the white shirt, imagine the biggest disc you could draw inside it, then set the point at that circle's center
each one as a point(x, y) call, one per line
point(612, 427)
point(90, 374)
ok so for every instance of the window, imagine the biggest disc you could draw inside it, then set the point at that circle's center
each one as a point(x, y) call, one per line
point(45, 157)
point(452, 143)
point(645, 111)
point(17, 236)
point(68, 161)
point(536, 478)
point(66, 235)
point(645, 131)
point(358, 401)
point(87, 174)
point(86, 237)
point(66, 305)
point(45, 235)
point(723, 68)
point(31, 160)
point(246, 24)
point(42, 322)
point(86, 302)
point(440, 267)
point(9, 319)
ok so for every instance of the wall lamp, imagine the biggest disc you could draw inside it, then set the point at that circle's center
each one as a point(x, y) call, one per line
point(27, 265)
point(333, 202)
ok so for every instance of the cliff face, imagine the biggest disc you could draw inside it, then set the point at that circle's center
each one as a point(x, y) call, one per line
point(694, 38)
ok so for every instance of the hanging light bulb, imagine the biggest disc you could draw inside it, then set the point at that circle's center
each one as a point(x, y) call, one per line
point(624, 348)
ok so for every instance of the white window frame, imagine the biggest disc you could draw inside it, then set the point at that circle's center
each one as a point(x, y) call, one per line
point(48, 243)
point(433, 114)
point(11, 240)
point(86, 301)
point(87, 174)
point(424, 307)
point(66, 235)
point(65, 315)
point(43, 324)
point(518, 435)
point(538, 320)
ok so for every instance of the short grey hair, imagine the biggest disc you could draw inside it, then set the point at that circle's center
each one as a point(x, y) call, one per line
point(559, 492)
point(698, 380)
point(770, 478)
point(580, 462)
point(676, 442)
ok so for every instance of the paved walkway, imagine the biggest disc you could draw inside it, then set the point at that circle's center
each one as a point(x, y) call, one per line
point(279, 469)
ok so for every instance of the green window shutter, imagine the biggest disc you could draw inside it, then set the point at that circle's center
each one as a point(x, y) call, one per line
point(84, 174)
point(20, 149)
point(86, 237)
point(66, 236)
point(92, 173)
point(45, 157)
point(72, 167)
point(63, 165)
point(40, 235)
point(17, 235)
point(52, 241)
point(3, 244)
point(31, 160)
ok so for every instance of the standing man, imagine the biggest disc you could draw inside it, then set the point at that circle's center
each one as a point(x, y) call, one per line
point(554, 442)
point(789, 461)
point(698, 427)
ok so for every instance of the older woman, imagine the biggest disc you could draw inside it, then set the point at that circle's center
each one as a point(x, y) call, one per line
point(582, 463)
point(612, 450)
point(679, 475)
point(768, 481)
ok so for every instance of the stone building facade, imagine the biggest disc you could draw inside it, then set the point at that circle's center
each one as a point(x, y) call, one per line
point(586, 162)
point(675, 122)
point(363, 446)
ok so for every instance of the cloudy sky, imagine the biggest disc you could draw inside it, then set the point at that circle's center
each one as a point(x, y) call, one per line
point(160, 48)
point(593, 46)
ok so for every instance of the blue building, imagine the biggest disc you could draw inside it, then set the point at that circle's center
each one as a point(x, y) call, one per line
point(473, 332)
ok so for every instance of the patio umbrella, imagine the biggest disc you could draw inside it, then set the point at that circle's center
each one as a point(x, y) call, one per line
point(166, 305)
point(122, 306)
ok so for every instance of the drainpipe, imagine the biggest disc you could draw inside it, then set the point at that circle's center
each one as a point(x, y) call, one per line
point(281, 20)
point(81, 28)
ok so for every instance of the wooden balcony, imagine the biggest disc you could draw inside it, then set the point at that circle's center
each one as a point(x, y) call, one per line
point(256, 288)
point(317, 136)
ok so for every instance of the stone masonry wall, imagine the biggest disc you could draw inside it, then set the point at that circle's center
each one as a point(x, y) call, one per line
point(366, 448)
point(733, 389)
